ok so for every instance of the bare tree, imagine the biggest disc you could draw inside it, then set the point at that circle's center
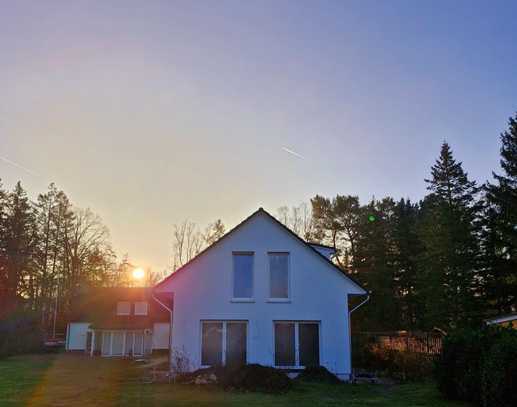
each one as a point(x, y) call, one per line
point(299, 220)
point(188, 240)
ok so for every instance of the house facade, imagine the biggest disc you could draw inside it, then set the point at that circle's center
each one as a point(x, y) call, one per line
point(128, 322)
point(261, 295)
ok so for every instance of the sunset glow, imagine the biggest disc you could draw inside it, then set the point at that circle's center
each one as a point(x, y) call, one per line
point(138, 273)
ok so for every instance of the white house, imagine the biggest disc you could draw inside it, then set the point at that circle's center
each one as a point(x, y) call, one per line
point(261, 295)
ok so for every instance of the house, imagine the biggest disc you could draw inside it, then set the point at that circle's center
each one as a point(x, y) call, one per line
point(509, 320)
point(261, 294)
point(118, 322)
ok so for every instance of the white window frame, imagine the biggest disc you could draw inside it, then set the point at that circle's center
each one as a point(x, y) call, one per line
point(279, 299)
point(243, 299)
point(124, 313)
point(146, 308)
point(223, 352)
point(296, 342)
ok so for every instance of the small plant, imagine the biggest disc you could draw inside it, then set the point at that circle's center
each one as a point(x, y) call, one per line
point(180, 362)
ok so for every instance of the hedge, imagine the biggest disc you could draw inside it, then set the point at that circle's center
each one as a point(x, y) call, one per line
point(480, 366)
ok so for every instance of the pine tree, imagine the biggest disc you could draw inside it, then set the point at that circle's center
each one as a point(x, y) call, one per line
point(407, 250)
point(19, 229)
point(500, 229)
point(448, 265)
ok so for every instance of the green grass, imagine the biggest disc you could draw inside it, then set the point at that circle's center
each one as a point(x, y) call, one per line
point(77, 380)
point(19, 376)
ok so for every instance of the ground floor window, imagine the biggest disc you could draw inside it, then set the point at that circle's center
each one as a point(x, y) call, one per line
point(119, 342)
point(297, 344)
point(223, 343)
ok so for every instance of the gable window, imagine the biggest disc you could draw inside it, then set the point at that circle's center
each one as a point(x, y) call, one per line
point(141, 308)
point(223, 343)
point(242, 275)
point(297, 344)
point(123, 308)
point(278, 275)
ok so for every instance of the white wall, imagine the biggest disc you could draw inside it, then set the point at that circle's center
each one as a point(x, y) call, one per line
point(318, 292)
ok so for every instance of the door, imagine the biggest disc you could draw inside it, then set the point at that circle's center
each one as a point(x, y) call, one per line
point(77, 335)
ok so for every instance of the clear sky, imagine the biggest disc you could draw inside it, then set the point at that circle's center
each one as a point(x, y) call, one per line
point(152, 112)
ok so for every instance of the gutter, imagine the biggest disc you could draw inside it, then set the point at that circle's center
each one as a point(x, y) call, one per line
point(350, 329)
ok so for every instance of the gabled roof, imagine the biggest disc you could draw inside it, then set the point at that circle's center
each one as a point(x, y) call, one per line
point(276, 221)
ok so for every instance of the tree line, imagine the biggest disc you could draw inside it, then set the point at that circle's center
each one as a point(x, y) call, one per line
point(446, 261)
point(48, 250)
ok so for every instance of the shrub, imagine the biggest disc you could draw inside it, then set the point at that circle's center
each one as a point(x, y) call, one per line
point(398, 364)
point(318, 374)
point(479, 366)
point(20, 332)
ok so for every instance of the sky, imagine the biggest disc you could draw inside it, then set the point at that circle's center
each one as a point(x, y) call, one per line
point(152, 112)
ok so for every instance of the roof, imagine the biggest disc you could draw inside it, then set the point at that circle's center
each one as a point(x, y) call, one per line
point(98, 305)
point(276, 221)
point(502, 319)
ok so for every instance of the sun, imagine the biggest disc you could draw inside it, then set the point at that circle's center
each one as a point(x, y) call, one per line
point(138, 273)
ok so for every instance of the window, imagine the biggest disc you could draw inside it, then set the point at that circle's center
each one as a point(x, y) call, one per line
point(242, 275)
point(223, 343)
point(279, 275)
point(123, 308)
point(141, 308)
point(297, 344)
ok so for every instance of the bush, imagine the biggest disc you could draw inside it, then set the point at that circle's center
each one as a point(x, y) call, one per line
point(20, 332)
point(479, 366)
point(318, 374)
point(401, 365)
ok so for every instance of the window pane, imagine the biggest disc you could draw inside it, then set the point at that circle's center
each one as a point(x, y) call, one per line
point(123, 308)
point(235, 343)
point(118, 343)
point(284, 344)
point(279, 276)
point(242, 275)
point(212, 344)
point(309, 344)
point(141, 308)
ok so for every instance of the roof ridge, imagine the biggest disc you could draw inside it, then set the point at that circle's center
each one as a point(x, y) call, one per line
point(262, 210)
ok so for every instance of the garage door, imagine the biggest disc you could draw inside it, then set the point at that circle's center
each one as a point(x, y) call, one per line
point(76, 339)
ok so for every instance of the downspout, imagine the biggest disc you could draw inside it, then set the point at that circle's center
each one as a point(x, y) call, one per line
point(170, 323)
point(350, 330)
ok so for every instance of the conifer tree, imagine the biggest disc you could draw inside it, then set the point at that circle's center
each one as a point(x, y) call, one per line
point(448, 265)
point(500, 229)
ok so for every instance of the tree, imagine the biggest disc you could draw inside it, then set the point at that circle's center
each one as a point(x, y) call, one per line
point(500, 229)
point(450, 259)
point(19, 231)
point(188, 241)
point(336, 222)
point(299, 220)
point(213, 232)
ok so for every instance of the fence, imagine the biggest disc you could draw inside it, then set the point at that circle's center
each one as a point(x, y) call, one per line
point(429, 343)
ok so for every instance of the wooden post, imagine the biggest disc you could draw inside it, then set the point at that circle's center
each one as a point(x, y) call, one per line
point(92, 345)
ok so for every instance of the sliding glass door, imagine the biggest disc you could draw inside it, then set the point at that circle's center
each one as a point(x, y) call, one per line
point(223, 343)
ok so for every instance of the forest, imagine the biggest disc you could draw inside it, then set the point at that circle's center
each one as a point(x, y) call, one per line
point(446, 261)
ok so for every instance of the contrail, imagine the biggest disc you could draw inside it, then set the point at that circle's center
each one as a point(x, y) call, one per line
point(293, 153)
point(21, 167)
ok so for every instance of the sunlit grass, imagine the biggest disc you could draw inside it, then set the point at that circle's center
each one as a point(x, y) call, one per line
point(77, 380)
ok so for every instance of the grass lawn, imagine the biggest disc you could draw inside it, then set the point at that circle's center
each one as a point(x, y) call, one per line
point(77, 380)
